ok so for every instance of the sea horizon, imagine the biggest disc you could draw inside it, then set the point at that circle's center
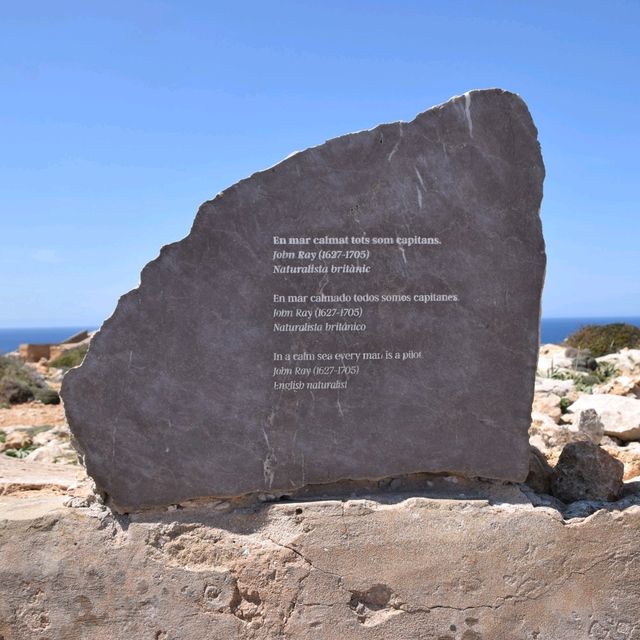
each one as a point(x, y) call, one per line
point(12, 337)
point(552, 330)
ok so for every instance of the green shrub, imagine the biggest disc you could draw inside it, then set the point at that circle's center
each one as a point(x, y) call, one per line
point(48, 396)
point(585, 382)
point(15, 391)
point(605, 371)
point(69, 359)
point(565, 403)
point(602, 339)
point(18, 383)
point(21, 453)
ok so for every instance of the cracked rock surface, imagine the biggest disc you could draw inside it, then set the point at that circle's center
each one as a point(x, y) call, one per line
point(397, 566)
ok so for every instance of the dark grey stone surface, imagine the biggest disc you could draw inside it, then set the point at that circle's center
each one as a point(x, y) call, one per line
point(586, 472)
point(180, 395)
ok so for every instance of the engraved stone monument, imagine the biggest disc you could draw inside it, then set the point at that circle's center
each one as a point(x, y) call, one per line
point(365, 308)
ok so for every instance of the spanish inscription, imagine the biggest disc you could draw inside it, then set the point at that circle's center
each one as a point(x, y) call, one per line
point(341, 312)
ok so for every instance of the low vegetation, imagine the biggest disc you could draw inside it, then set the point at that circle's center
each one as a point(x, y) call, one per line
point(48, 396)
point(585, 382)
point(69, 359)
point(23, 452)
point(565, 403)
point(17, 382)
point(603, 339)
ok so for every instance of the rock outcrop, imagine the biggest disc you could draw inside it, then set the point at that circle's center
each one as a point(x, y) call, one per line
point(619, 415)
point(586, 471)
point(626, 361)
point(461, 567)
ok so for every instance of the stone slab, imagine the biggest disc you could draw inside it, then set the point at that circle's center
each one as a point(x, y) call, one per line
point(30, 505)
point(354, 569)
point(365, 308)
point(18, 475)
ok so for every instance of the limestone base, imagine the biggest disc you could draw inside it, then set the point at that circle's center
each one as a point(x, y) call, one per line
point(394, 567)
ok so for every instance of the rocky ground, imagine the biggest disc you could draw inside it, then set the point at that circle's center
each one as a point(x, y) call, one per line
point(595, 401)
point(577, 399)
point(414, 557)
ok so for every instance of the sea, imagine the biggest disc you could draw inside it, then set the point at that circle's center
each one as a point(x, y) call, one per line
point(553, 330)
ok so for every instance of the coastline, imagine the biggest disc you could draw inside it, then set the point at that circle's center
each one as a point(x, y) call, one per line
point(552, 331)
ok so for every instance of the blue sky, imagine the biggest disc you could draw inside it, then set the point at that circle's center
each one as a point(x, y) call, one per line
point(118, 119)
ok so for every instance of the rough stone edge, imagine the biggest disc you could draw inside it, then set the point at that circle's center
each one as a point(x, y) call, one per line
point(203, 210)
